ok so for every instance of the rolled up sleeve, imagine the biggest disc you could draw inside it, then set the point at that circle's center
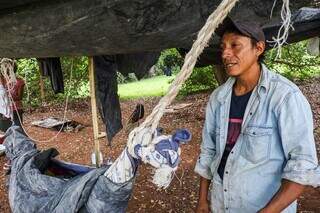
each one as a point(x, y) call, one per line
point(296, 132)
point(208, 146)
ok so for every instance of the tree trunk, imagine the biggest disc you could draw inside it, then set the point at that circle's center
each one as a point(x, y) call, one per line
point(41, 84)
point(220, 74)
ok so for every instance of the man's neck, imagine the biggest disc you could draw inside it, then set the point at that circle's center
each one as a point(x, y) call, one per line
point(246, 82)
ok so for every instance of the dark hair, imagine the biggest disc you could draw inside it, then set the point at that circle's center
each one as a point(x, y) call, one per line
point(254, 44)
point(252, 41)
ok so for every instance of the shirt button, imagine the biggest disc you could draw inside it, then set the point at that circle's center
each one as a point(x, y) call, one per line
point(225, 190)
point(231, 152)
point(227, 208)
point(227, 172)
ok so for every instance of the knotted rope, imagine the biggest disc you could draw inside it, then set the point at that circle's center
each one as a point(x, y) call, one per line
point(6, 70)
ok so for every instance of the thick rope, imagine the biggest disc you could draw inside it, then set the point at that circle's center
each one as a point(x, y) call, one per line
point(148, 127)
point(6, 66)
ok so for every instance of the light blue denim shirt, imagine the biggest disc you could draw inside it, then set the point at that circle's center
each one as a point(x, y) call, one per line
point(276, 142)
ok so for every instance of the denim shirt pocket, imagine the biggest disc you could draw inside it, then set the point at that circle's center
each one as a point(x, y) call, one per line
point(256, 144)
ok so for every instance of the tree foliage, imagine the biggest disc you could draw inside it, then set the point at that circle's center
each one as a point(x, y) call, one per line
point(169, 58)
point(295, 63)
point(201, 79)
point(77, 85)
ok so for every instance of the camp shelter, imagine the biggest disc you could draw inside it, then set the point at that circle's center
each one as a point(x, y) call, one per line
point(81, 26)
point(127, 36)
point(47, 28)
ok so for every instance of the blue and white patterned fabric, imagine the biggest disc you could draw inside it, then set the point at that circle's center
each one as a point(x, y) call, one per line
point(123, 169)
point(164, 152)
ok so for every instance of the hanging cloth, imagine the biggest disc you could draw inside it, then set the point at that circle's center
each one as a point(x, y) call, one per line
point(5, 109)
point(107, 92)
point(52, 67)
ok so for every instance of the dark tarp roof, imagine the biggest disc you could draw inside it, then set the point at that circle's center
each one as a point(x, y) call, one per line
point(306, 24)
point(98, 27)
point(9, 4)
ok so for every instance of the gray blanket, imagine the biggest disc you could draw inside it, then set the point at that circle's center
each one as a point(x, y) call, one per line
point(31, 191)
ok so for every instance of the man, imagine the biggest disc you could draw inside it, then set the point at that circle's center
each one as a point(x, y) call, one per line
point(258, 149)
point(17, 94)
point(13, 91)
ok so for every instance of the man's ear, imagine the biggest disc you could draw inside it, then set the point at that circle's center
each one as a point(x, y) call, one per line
point(260, 46)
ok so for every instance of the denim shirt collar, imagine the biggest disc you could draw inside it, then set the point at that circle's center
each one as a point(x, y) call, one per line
point(262, 85)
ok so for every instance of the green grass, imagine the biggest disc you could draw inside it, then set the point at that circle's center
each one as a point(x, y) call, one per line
point(151, 87)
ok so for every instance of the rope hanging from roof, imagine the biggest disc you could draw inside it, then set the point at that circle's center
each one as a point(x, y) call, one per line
point(285, 28)
point(146, 132)
point(148, 127)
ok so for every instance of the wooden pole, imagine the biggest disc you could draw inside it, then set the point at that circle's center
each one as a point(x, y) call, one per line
point(42, 94)
point(94, 112)
point(41, 83)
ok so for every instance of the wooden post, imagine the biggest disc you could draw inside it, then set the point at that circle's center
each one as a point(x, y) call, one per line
point(42, 94)
point(41, 83)
point(94, 112)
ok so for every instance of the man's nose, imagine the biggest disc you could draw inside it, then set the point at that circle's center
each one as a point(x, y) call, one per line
point(226, 52)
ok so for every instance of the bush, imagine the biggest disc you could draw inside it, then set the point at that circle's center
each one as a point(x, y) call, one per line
point(169, 58)
point(77, 86)
point(295, 62)
point(201, 79)
point(28, 70)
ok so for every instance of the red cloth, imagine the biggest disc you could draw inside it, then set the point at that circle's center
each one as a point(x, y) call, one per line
point(17, 94)
point(1, 140)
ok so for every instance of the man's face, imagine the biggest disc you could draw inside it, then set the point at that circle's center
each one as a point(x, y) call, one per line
point(238, 54)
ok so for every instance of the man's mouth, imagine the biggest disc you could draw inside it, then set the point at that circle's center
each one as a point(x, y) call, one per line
point(228, 65)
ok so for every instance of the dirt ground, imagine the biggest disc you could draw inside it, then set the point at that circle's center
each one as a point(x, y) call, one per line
point(181, 196)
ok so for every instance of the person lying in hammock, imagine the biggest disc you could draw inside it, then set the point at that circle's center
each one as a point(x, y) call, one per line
point(84, 189)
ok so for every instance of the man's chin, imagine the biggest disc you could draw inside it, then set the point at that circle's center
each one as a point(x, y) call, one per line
point(232, 73)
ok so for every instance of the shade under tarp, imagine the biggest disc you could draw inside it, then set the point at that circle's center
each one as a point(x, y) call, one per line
point(50, 28)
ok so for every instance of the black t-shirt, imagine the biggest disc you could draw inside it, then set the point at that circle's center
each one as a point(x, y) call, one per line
point(237, 109)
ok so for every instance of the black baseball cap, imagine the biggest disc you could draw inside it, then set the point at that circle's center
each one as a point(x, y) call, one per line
point(247, 28)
